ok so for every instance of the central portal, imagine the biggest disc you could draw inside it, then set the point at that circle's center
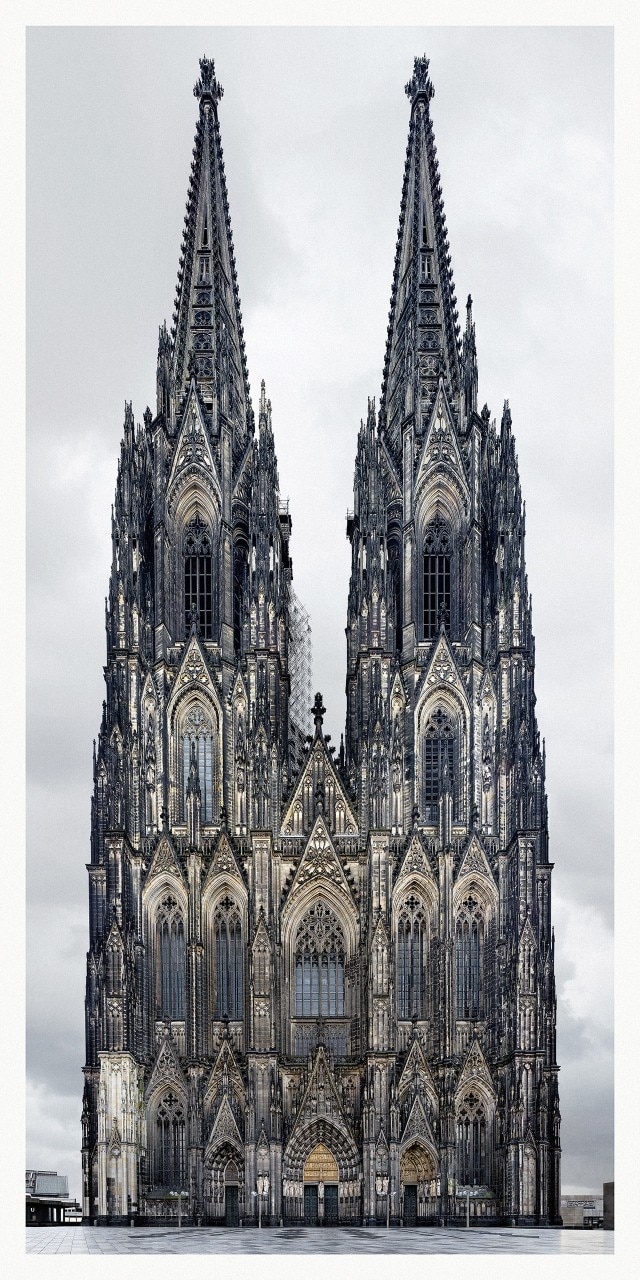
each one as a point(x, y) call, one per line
point(320, 1188)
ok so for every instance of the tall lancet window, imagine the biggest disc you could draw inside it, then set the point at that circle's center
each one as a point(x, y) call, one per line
point(239, 584)
point(437, 578)
point(439, 751)
point(471, 1142)
point(197, 740)
point(470, 960)
point(229, 959)
point(411, 962)
point(170, 960)
point(198, 604)
point(170, 1163)
point(319, 964)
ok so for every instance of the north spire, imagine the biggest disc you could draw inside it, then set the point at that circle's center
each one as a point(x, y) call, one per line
point(207, 335)
point(423, 332)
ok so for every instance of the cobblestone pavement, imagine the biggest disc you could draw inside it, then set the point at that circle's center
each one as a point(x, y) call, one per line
point(292, 1240)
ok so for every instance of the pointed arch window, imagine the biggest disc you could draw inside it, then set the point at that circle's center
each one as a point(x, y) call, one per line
point(471, 1142)
point(229, 959)
point(319, 964)
point(437, 578)
point(170, 1163)
point(239, 586)
point(395, 574)
point(261, 968)
point(470, 960)
point(198, 603)
point(440, 751)
point(170, 953)
point(114, 970)
point(197, 732)
point(411, 958)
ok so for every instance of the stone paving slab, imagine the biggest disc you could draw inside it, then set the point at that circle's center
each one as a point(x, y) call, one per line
point(293, 1240)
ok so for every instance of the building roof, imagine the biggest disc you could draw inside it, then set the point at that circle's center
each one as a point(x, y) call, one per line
point(51, 1184)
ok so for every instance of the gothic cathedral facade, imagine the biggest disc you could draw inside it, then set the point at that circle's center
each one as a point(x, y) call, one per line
point(320, 987)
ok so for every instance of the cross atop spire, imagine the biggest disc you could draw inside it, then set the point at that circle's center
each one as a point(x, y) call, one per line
point(207, 87)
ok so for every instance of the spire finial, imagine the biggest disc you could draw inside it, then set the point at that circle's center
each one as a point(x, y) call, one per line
point(318, 711)
point(262, 412)
point(207, 86)
point(420, 85)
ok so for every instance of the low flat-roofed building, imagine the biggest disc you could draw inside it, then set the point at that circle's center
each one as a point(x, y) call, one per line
point(47, 1199)
point(582, 1211)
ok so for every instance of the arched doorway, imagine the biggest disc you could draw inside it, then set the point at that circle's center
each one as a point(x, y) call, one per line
point(320, 1178)
point(231, 1194)
point(224, 1186)
point(418, 1183)
point(322, 1152)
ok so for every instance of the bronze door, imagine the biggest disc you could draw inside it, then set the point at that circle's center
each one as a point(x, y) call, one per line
point(410, 1214)
point(330, 1204)
point(231, 1214)
point(311, 1206)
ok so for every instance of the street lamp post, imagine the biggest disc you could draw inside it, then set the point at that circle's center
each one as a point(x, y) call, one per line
point(179, 1195)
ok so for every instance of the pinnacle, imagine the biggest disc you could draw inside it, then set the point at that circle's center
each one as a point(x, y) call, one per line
point(318, 712)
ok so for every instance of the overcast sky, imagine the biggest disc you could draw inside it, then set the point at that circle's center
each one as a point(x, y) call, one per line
point(314, 125)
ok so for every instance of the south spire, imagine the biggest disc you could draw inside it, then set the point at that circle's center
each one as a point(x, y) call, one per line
point(423, 332)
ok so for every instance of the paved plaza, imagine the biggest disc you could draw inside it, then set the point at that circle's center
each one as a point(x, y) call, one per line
point(292, 1240)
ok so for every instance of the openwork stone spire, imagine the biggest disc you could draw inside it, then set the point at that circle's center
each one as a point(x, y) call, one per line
point(207, 335)
point(423, 331)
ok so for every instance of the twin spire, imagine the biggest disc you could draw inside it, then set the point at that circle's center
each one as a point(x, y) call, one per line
point(207, 340)
point(423, 341)
point(423, 332)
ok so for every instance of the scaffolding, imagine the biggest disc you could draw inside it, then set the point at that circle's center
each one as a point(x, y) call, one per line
point(301, 673)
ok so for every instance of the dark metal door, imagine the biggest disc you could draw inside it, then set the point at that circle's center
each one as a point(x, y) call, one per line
point(231, 1214)
point(311, 1206)
point(410, 1213)
point(330, 1204)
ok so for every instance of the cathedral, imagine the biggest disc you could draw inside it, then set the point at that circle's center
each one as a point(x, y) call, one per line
point(320, 984)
